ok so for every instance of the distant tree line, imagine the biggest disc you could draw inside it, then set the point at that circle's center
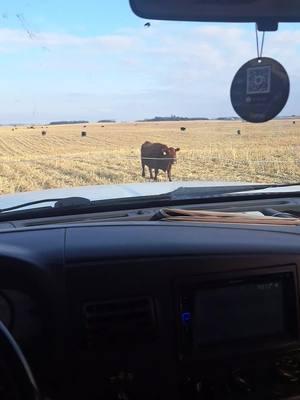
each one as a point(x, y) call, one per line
point(173, 118)
point(228, 119)
point(68, 122)
point(102, 121)
point(287, 117)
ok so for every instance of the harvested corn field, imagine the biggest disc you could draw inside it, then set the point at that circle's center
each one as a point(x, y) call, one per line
point(33, 158)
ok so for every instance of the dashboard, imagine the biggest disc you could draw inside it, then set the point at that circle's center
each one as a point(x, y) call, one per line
point(155, 310)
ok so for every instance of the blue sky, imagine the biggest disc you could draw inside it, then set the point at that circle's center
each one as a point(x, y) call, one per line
point(96, 60)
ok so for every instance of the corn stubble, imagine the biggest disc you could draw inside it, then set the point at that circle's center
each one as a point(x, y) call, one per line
point(210, 150)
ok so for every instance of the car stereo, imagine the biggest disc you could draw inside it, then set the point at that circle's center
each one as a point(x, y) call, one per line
point(237, 314)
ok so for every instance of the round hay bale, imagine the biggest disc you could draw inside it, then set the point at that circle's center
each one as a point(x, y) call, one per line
point(44, 133)
point(83, 133)
point(183, 128)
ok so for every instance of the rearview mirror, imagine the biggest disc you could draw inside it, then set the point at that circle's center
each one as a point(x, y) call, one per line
point(266, 13)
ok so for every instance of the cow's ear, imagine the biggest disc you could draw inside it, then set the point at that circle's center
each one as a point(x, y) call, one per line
point(178, 148)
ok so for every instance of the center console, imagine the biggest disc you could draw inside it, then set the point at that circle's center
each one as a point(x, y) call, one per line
point(239, 335)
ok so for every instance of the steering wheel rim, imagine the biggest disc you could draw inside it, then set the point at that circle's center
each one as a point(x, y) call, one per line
point(21, 370)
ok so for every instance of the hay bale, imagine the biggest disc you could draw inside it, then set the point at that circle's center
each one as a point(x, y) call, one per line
point(83, 133)
point(238, 132)
point(44, 133)
point(183, 128)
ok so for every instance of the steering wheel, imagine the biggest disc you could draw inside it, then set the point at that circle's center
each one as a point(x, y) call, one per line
point(19, 370)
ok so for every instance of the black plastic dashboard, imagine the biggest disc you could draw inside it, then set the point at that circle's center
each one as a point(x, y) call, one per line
point(106, 298)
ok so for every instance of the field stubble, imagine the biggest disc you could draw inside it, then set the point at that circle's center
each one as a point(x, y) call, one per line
point(210, 150)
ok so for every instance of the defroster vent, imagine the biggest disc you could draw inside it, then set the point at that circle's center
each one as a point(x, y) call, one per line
point(119, 321)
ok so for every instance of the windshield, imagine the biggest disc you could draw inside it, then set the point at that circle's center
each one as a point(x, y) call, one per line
point(94, 95)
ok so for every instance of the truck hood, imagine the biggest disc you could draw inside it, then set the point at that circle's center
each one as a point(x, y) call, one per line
point(106, 192)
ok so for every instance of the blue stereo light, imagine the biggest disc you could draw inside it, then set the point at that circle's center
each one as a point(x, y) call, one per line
point(186, 317)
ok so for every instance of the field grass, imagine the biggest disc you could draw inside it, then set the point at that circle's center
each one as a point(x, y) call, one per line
point(210, 150)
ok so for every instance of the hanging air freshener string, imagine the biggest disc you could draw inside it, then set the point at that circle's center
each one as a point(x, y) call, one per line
point(259, 53)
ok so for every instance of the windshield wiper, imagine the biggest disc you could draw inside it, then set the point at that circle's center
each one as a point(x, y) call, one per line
point(75, 205)
point(60, 202)
point(185, 193)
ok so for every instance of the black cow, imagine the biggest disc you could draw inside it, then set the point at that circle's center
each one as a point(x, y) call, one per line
point(157, 156)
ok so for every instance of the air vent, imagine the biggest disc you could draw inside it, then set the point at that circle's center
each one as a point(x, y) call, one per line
point(119, 322)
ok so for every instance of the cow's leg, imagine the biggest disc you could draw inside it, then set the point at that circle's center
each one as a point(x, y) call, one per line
point(169, 174)
point(156, 173)
point(143, 169)
point(151, 174)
